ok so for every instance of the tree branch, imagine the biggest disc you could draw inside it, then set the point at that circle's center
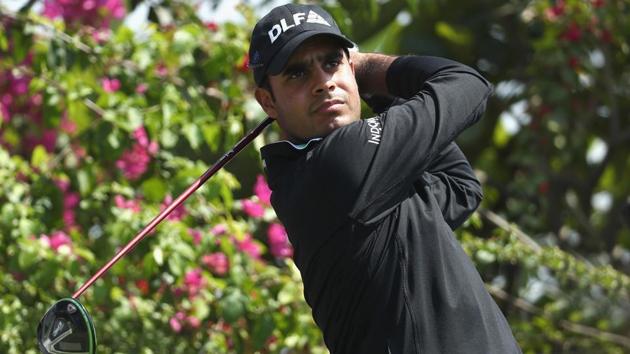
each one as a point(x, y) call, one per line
point(567, 325)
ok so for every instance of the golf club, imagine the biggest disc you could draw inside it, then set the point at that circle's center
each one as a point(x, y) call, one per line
point(67, 326)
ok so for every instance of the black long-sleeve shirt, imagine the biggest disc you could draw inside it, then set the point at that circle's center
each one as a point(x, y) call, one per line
point(370, 210)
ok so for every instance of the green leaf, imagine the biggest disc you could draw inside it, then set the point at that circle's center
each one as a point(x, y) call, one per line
point(263, 328)
point(27, 256)
point(212, 135)
point(459, 36)
point(176, 264)
point(200, 308)
point(385, 41)
point(40, 158)
point(232, 306)
point(500, 136)
point(158, 256)
point(85, 182)
point(135, 118)
point(192, 133)
point(154, 189)
point(168, 139)
point(485, 257)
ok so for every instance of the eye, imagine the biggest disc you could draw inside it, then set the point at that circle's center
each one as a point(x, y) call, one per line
point(333, 63)
point(296, 74)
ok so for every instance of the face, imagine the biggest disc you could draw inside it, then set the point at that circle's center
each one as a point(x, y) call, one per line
point(316, 92)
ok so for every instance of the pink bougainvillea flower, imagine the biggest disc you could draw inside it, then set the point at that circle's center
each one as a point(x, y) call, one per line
point(276, 233)
point(176, 322)
point(57, 240)
point(142, 88)
point(196, 235)
point(67, 125)
point(193, 322)
point(253, 209)
point(69, 219)
point(278, 241)
point(141, 137)
point(194, 281)
point(20, 85)
point(70, 201)
point(176, 214)
point(217, 262)
point(101, 36)
point(96, 13)
point(122, 203)
point(134, 162)
point(62, 184)
point(153, 148)
point(161, 70)
point(262, 190)
point(116, 8)
point(218, 229)
point(110, 85)
point(49, 139)
point(250, 247)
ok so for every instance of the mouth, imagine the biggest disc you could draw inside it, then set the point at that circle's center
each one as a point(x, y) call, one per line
point(329, 106)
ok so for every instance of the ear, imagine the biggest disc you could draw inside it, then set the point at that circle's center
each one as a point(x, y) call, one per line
point(265, 100)
point(351, 63)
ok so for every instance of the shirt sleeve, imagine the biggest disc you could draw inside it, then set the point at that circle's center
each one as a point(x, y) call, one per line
point(377, 161)
point(452, 182)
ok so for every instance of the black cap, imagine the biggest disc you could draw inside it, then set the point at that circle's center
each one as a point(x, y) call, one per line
point(276, 36)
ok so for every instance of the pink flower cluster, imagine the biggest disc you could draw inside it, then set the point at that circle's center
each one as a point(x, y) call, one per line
point(249, 246)
point(57, 240)
point(70, 202)
point(131, 204)
point(110, 85)
point(176, 214)
point(135, 162)
point(256, 208)
point(279, 241)
point(196, 235)
point(15, 100)
point(193, 282)
point(262, 190)
point(180, 320)
point(96, 13)
point(217, 262)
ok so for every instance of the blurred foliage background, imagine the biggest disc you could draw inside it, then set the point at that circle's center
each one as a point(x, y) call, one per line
point(101, 126)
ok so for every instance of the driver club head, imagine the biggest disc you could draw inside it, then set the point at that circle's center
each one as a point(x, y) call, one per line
point(66, 328)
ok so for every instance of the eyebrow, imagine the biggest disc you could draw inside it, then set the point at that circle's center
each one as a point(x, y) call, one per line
point(302, 65)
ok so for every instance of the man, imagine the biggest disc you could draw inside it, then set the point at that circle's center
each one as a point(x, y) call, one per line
point(369, 205)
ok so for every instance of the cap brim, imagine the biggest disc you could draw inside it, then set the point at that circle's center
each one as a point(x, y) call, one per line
point(279, 61)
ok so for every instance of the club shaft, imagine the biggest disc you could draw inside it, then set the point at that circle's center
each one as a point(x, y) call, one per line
point(176, 203)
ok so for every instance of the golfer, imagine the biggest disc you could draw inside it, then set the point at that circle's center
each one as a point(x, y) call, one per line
point(370, 204)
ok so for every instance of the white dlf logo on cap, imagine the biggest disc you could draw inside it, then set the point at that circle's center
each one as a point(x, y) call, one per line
point(298, 17)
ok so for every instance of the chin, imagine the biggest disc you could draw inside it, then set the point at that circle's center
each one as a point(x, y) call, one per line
point(341, 121)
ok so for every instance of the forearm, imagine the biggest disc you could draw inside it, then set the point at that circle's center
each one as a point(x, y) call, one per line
point(403, 76)
point(370, 71)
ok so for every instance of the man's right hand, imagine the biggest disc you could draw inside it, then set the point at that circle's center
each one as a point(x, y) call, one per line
point(370, 71)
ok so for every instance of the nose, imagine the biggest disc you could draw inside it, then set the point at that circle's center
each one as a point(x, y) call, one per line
point(323, 81)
